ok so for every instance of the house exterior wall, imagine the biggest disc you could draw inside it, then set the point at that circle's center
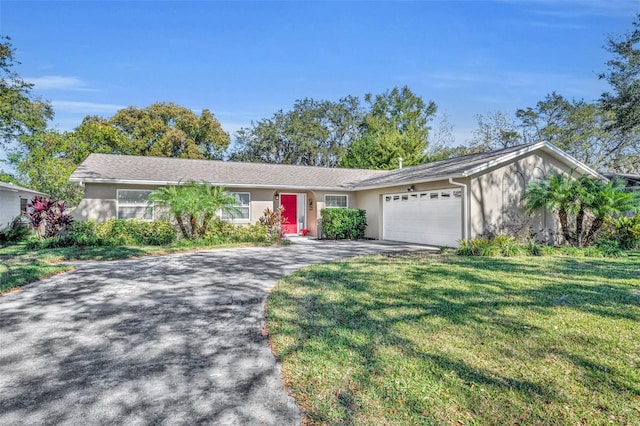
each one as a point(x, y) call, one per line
point(10, 205)
point(99, 202)
point(495, 199)
point(371, 201)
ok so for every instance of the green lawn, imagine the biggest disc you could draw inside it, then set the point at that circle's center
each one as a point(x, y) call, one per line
point(427, 339)
point(20, 265)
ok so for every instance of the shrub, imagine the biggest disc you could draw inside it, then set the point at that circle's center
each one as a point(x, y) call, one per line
point(339, 224)
point(48, 217)
point(116, 232)
point(464, 249)
point(273, 220)
point(533, 248)
point(16, 231)
point(609, 248)
point(624, 230)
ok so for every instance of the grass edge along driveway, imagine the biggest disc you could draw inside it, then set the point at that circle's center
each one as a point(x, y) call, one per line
point(424, 339)
point(20, 266)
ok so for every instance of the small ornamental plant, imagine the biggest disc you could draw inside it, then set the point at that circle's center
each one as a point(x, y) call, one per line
point(48, 217)
point(304, 232)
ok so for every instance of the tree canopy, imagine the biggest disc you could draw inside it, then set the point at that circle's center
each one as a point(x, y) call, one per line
point(313, 133)
point(21, 113)
point(169, 130)
point(396, 126)
point(623, 75)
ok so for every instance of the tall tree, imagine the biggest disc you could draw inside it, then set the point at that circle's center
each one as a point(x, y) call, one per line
point(21, 113)
point(495, 130)
point(169, 130)
point(396, 126)
point(581, 129)
point(623, 75)
point(313, 133)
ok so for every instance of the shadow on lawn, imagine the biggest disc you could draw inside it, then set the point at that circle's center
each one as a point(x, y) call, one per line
point(377, 312)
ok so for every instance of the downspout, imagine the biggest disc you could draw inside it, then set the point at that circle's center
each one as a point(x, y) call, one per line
point(465, 209)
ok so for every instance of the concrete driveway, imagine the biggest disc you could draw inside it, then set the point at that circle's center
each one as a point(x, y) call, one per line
point(172, 339)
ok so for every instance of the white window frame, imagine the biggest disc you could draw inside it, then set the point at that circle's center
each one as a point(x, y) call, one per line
point(346, 197)
point(247, 206)
point(119, 204)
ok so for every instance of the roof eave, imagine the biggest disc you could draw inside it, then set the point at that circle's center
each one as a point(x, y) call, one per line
point(409, 182)
point(528, 149)
point(224, 184)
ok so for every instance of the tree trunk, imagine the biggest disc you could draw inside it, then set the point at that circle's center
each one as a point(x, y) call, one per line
point(183, 228)
point(205, 223)
point(579, 225)
point(564, 225)
point(595, 227)
point(194, 226)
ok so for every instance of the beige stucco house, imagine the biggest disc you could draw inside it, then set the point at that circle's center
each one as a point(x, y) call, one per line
point(437, 203)
point(13, 201)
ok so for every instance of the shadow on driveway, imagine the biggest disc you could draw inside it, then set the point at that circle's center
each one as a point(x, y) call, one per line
point(173, 339)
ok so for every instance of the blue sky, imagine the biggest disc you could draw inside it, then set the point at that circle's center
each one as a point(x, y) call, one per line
point(246, 60)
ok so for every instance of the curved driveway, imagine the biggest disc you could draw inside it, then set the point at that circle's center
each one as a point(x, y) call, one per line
point(173, 339)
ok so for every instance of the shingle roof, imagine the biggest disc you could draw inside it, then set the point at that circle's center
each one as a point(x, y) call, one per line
point(12, 187)
point(160, 170)
point(134, 169)
point(451, 167)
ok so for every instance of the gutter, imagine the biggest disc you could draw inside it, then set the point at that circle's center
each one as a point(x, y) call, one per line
point(465, 208)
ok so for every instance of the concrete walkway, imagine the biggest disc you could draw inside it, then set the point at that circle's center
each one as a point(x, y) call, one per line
point(172, 339)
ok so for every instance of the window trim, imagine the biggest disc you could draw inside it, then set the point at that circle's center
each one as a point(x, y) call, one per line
point(150, 204)
point(336, 195)
point(248, 206)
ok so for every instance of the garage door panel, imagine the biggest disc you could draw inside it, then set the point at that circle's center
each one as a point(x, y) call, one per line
point(432, 217)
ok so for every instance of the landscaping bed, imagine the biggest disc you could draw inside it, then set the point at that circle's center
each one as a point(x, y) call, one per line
point(426, 339)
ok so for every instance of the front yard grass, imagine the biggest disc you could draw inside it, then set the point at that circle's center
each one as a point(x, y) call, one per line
point(20, 265)
point(425, 339)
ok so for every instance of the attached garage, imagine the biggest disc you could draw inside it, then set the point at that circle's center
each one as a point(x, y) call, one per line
point(425, 217)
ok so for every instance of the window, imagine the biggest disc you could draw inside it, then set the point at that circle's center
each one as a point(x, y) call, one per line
point(243, 206)
point(335, 201)
point(23, 205)
point(134, 204)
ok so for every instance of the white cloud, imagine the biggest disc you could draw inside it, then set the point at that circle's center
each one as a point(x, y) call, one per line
point(85, 107)
point(58, 82)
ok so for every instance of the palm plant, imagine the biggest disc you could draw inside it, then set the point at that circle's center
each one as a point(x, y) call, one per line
point(172, 197)
point(557, 193)
point(194, 204)
point(608, 200)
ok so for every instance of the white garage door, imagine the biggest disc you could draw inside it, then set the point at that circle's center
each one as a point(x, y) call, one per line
point(427, 217)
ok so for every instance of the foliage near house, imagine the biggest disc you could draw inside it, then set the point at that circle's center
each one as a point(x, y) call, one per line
point(340, 224)
point(194, 205)
point(423, 339)
point(47, 217)
point(577, 200)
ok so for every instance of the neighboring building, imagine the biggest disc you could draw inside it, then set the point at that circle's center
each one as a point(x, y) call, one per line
point(13, 201)
point(632, 181)
point(437, 203)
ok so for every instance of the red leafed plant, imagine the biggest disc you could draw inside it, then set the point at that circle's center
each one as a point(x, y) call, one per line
point(48, 217)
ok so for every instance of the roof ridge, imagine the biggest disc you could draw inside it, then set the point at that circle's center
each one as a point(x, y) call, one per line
point(230, 162)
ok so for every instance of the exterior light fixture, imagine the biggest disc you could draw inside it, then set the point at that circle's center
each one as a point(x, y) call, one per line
point(411, 188)
point(277, 197)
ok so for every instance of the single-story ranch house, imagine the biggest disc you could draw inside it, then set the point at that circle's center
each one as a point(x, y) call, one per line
point(13, 201)
point(438, 203)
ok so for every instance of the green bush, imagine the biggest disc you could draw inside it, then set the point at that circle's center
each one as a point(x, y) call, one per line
point(624, 230)
point(532, 248)
point(464, 249)
point(16, 231)
point(340, 224)
point(115, 232)
point(609, 248)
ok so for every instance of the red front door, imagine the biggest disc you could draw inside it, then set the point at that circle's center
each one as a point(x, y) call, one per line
point(290, 204)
